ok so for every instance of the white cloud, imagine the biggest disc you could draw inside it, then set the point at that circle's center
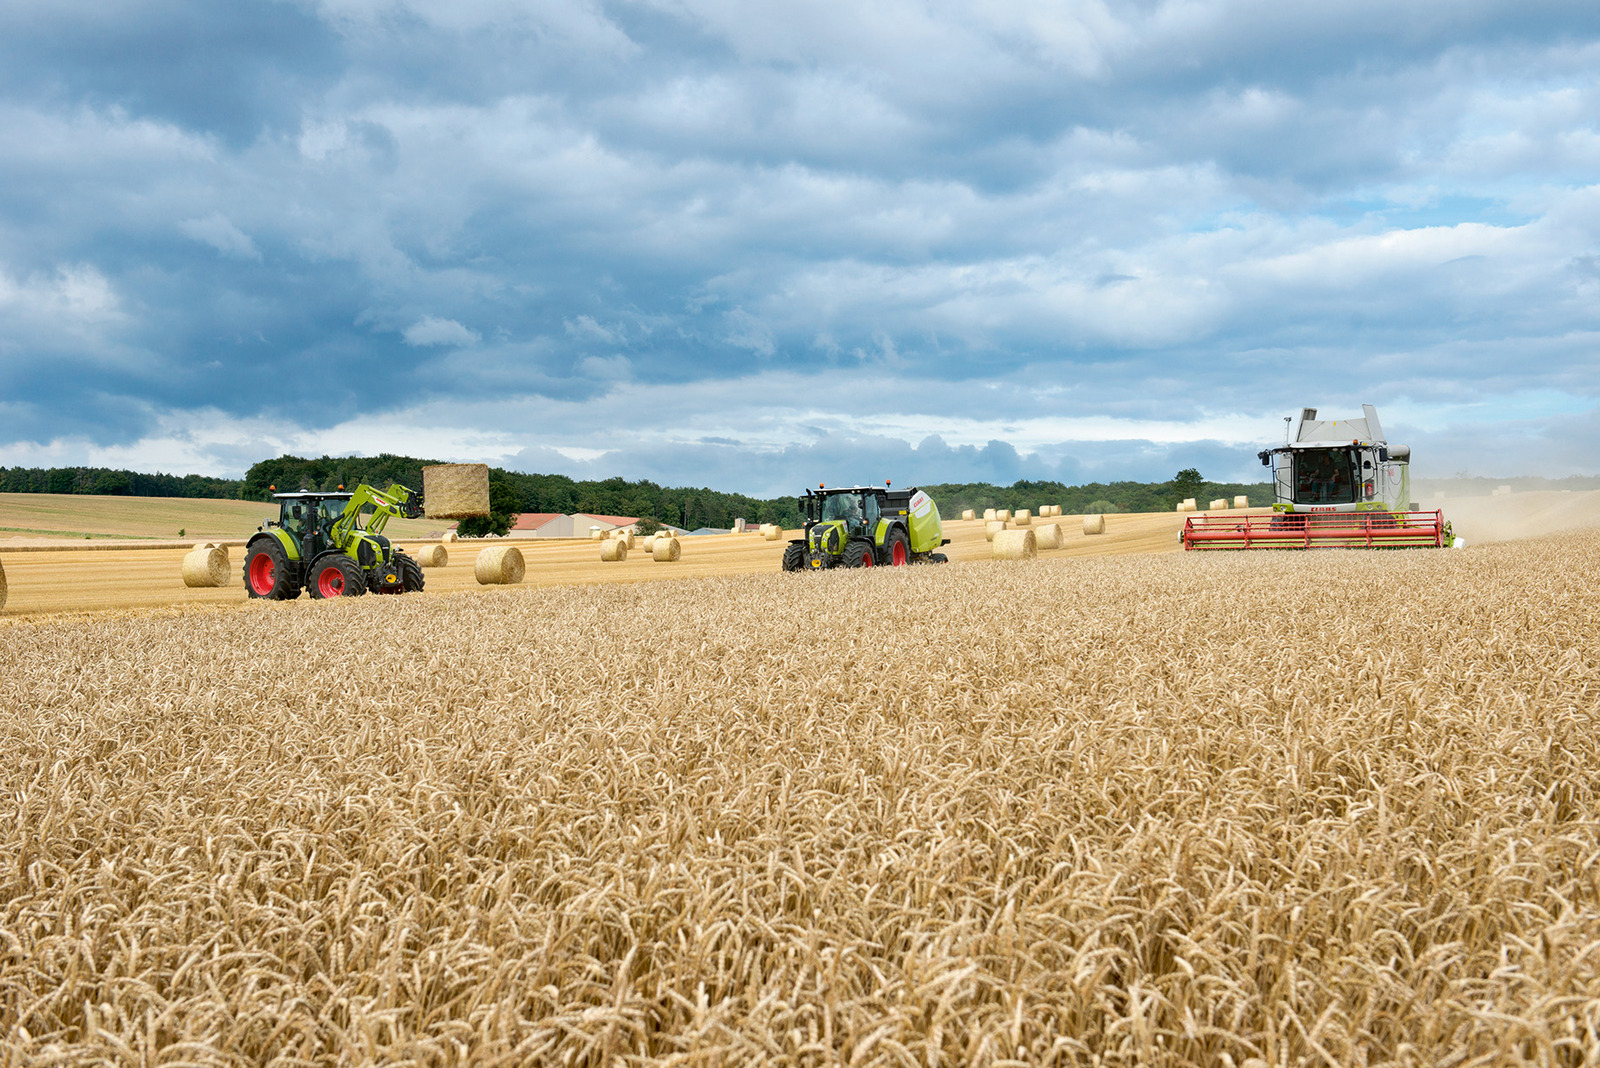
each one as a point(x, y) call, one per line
point(219, 232)
point(73, 308)
point(432, 330)
point(747, 332)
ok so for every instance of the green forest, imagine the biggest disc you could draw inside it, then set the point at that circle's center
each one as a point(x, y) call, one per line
point(512, 492)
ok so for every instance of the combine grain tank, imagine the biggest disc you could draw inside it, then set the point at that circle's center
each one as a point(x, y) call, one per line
point(1338, 484)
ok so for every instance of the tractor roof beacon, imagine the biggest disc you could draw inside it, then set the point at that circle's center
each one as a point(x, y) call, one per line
point(333, 545)
point(1337, 484)
point(866, 526)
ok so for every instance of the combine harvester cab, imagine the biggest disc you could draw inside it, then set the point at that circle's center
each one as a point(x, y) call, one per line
point(1337, 485)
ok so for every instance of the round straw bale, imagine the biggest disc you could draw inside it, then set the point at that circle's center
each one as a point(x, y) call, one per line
point(1094, 524)
point(455, 491)
point(433, 556)
point(772, 531)
point(499, 565)
point(988, 514)
point(1219, 505)
point(205, 568)
point(991, 528)
point(1023, 517)
point(625, 536)
point(1048, 535)
point(449, 536)
point(613, 549)
point(213, 545)
point(1189, 503)
point(1003, 514)
point(1015, 545)
point(2, 585)
point(597, 533)
point(1055, 510)
point(666, 550)
point(1241, 501)
point(968, 514)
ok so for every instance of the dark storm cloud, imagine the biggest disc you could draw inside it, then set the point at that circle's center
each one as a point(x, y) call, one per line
point(229, 70)
point(672, 219)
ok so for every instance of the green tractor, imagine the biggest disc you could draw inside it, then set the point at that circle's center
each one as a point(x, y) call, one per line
point(318, 543)
point(865, 526)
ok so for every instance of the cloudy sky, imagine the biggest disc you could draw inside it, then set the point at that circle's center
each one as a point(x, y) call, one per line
point(753, 246)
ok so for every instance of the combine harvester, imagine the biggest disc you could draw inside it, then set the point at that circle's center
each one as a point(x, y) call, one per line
point(1338, 485)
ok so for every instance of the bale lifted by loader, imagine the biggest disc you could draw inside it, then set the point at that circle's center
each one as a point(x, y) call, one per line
point(866, 526)
point(1337, 484)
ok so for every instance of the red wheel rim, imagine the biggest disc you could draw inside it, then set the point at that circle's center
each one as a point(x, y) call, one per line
point(263, 576)
point(866, 557)
point(898, 556)
point(330, 582)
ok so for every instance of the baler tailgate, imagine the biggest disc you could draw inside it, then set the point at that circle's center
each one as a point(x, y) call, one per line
point(1317, 530)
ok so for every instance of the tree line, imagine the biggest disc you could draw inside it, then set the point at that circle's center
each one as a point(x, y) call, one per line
point(513, 492)
point(115, 482)
point(1101, 497)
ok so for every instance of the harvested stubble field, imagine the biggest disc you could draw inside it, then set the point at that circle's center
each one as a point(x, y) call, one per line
point(1334, 808)
point(72, 578)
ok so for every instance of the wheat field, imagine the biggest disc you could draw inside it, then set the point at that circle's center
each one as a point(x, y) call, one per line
point(1335, 808)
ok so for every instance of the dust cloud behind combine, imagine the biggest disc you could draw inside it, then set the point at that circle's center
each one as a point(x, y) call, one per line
point(1514, 516)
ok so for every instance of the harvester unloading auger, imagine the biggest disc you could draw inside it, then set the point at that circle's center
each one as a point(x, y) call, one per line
point(1337, 484)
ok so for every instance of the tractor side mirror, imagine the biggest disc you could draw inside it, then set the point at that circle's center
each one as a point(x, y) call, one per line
point(1265, 457)
point(1383, 454)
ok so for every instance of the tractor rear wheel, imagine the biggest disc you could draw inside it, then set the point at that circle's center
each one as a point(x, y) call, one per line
point(411, 580)
point(267, 572)
point(858, 553)
point(896, 549)
point(794, 557)
point(336, 575)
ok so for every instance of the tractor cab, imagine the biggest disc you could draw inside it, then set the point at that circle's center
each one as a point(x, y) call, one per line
point(308, 518)
point(858, 510)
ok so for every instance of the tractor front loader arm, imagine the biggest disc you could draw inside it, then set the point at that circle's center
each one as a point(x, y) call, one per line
point(397, 500)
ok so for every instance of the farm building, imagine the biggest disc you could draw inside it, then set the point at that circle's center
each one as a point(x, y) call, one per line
point(573, 525)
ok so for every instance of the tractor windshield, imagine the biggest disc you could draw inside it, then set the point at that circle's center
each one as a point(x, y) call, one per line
point(329, 513)
point(845, 506)
point(1322, 476)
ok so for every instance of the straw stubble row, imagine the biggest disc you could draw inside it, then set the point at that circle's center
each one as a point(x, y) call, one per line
point(1104, 828)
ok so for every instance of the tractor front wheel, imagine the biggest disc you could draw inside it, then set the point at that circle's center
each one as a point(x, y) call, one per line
point(411, 580)
point(896, 551)
point(336, 576)
point(794, 557)
point(266, 572)
point(858, 553)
